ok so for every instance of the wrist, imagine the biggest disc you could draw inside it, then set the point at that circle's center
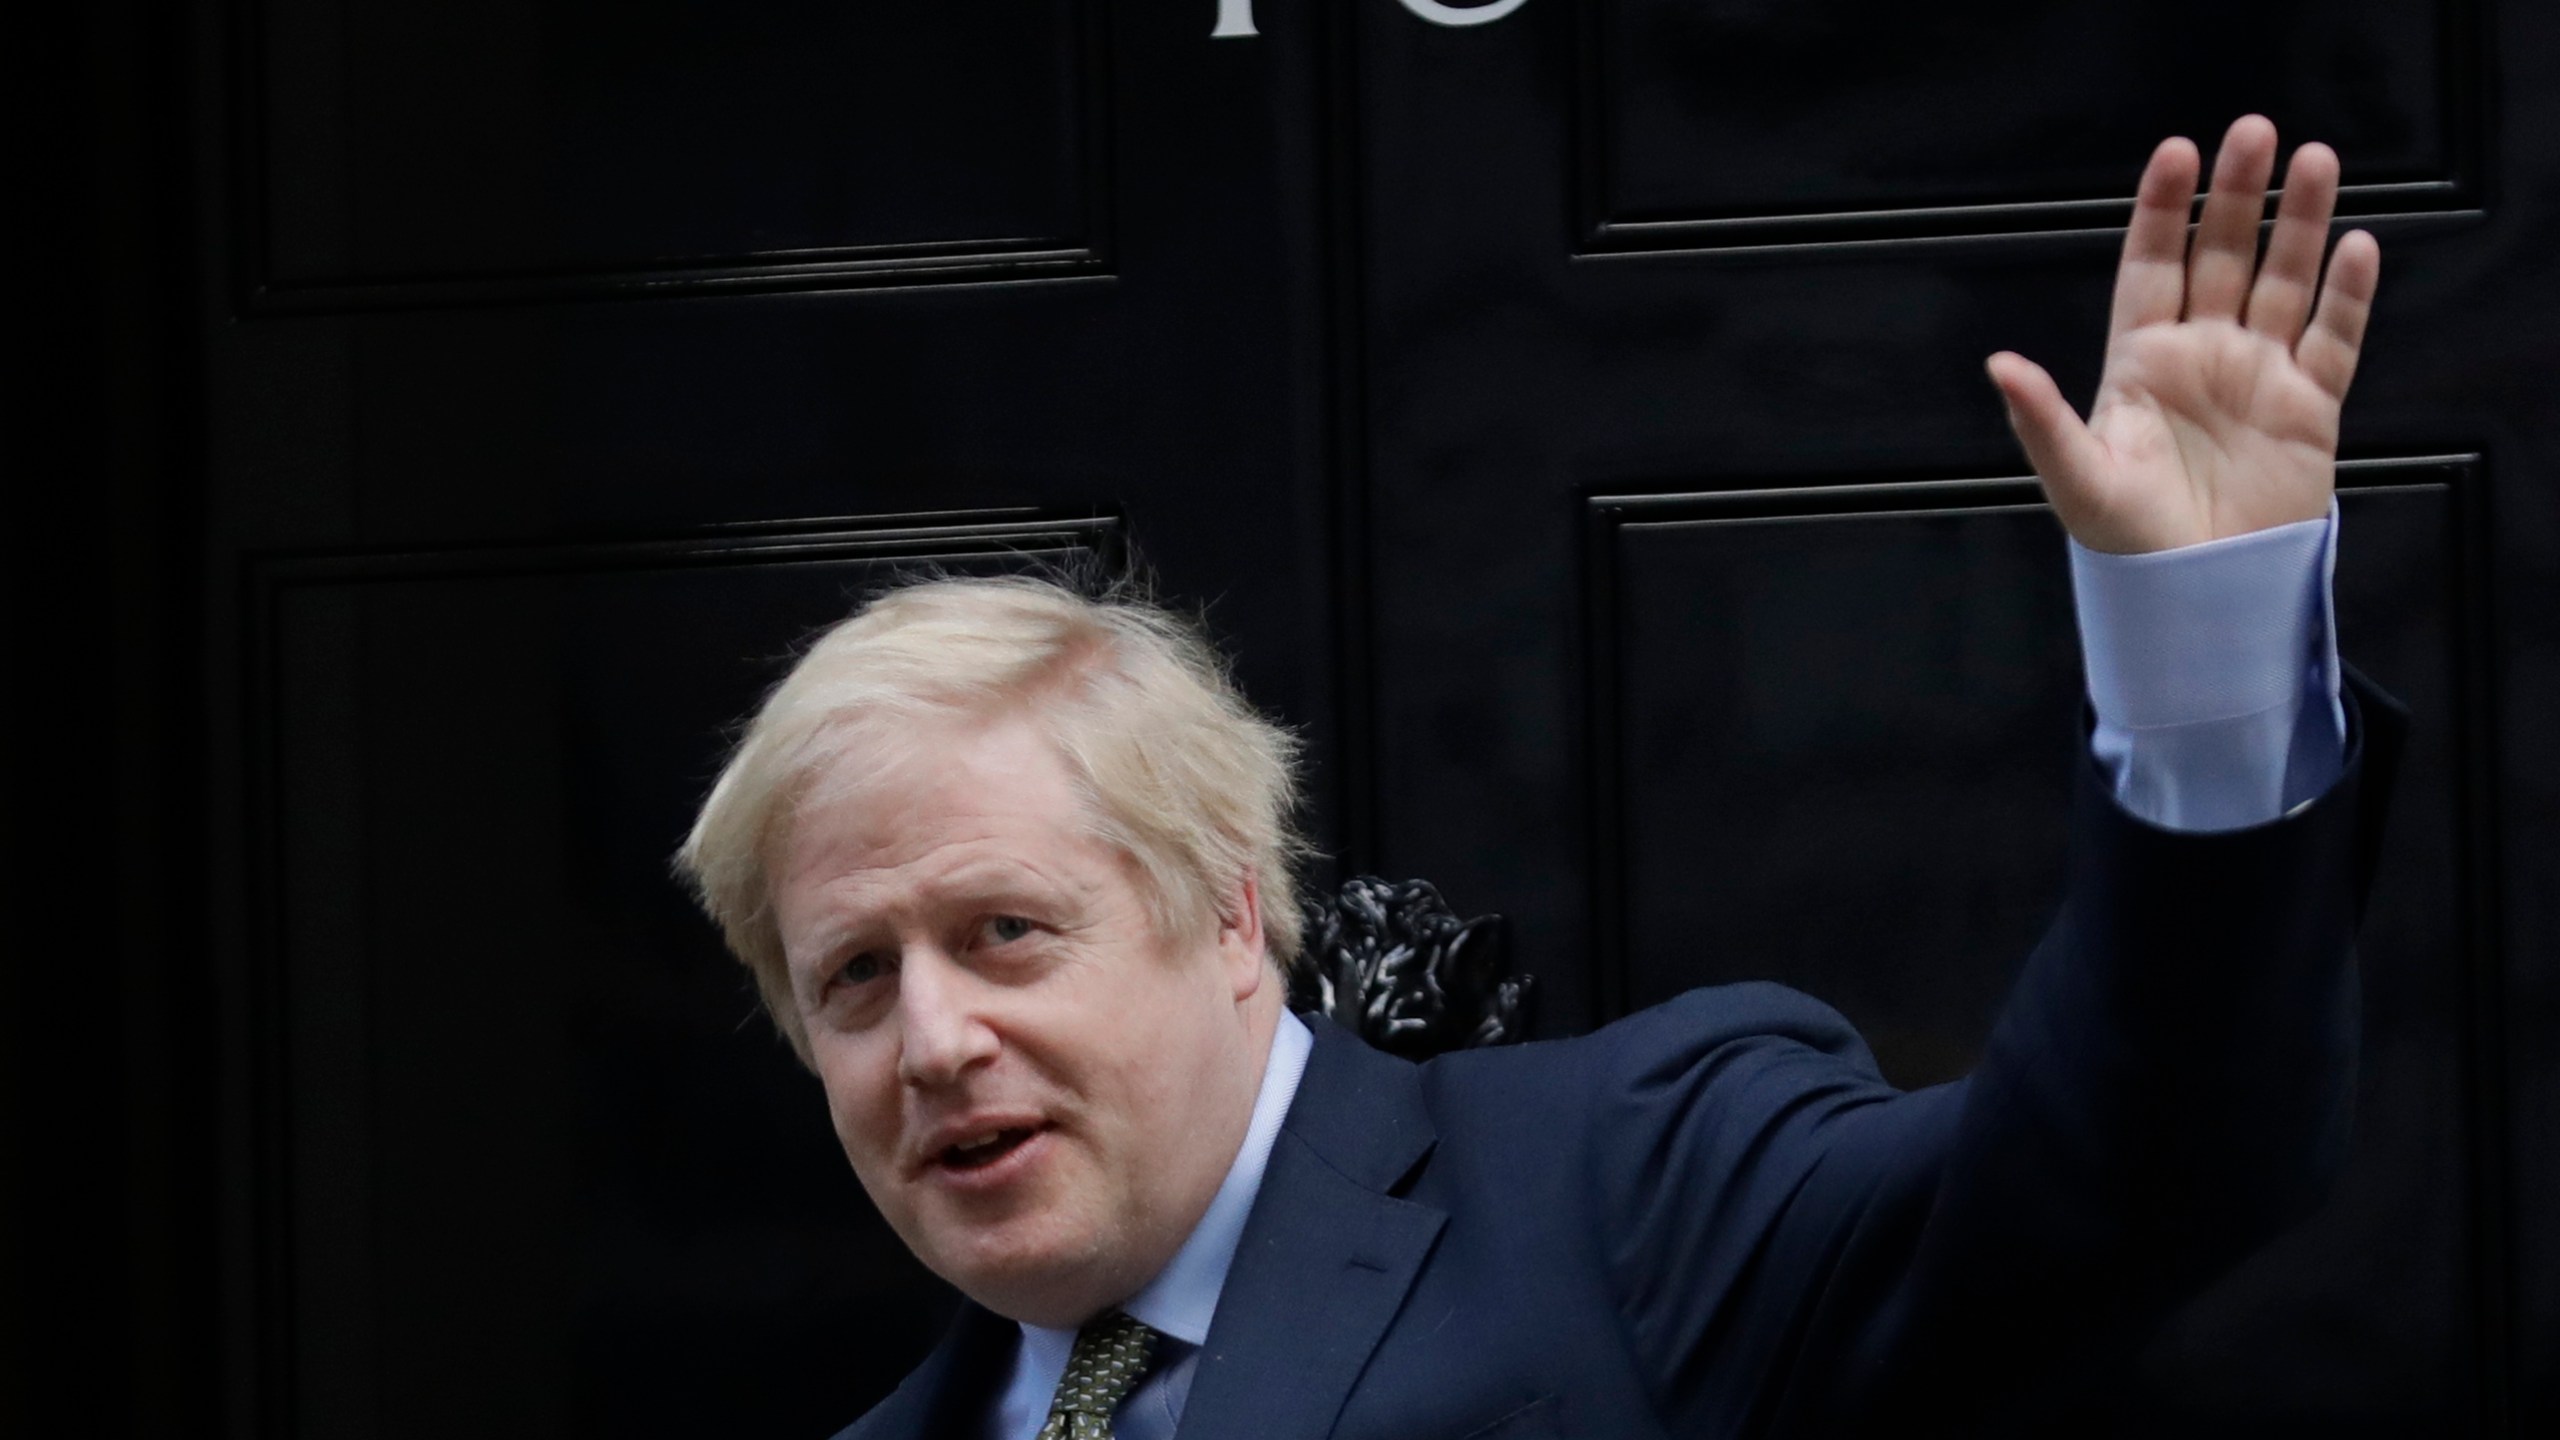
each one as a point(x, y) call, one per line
point(2203, 632)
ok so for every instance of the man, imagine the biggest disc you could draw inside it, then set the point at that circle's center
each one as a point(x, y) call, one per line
point(1012, 870)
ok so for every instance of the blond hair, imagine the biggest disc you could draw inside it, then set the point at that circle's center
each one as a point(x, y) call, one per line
point(1176, 769)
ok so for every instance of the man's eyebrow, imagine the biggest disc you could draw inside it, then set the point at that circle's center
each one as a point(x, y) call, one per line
point(826, 937)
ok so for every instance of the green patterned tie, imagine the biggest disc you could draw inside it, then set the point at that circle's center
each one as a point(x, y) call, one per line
point(1110, 1355)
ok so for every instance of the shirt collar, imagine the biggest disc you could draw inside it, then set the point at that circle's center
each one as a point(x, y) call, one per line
point(1184, 1295)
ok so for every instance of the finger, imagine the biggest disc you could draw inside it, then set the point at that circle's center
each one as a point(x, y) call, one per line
point(2070, 459)
point(2281, 299)
point(2226, 248)
point(2329, 348)
point(2151, 281)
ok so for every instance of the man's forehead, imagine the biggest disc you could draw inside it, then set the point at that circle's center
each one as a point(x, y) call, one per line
point(853, 848)
point(983, 811)
point(919, 783)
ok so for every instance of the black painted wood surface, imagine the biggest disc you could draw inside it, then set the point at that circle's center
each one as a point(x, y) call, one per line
point(1573, 422)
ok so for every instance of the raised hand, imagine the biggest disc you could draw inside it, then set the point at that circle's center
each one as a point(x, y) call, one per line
point(2218, 410)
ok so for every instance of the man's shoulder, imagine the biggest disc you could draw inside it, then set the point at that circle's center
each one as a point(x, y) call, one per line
point(864, 1428)
point(874, 1424)
point(900, 1416)
point(1748, 1038)
point(1719, 1014)
point(970, 1361)
point(1702, 1019)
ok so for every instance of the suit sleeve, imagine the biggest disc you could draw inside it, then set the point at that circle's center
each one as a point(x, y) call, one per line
point(1797, 1248)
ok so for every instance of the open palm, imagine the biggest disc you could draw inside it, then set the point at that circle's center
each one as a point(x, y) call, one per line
point(2218, 410)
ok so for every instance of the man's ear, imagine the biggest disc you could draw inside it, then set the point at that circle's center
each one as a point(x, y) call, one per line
point(1241, 944)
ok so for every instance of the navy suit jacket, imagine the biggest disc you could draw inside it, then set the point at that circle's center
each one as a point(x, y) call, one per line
point(1714, 1218)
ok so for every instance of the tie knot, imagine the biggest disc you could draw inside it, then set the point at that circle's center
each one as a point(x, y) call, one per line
point(1108, 1358)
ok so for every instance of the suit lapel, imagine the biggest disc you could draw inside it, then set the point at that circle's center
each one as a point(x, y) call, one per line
point(1327, 1254)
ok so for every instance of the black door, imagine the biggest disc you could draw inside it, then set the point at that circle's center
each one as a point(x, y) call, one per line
point(1570, 413)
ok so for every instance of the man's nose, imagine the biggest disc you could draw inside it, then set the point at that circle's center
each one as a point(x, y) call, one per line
point(943, 1033)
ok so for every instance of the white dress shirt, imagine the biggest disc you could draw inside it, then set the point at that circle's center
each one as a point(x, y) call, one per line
point(2213, 670)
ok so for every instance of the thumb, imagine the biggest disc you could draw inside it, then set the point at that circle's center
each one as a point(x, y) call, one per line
point(2057, 443)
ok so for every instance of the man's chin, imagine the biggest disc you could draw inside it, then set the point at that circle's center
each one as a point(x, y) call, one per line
point(1056, 1295)
point(1035, 1270)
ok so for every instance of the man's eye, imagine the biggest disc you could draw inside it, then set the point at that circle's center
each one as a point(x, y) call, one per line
point(1005, 929)
point(859, 970)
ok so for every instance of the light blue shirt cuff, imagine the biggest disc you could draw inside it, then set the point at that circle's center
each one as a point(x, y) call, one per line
point(2213, 669)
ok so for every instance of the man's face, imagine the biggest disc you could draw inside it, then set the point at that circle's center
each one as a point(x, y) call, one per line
point(1039, 1090)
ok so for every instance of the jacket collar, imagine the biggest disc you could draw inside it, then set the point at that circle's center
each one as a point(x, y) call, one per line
point(1328, 1253)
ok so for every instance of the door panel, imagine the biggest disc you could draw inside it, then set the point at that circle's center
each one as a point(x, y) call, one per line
point(1712, 126)
point(424, 154)
point(1872, 808)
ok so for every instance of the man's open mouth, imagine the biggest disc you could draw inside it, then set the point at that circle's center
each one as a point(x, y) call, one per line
point(987, 1149)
